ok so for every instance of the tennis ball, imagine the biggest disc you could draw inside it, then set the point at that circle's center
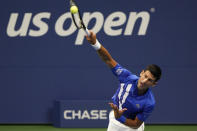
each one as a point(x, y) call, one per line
point(73, 9)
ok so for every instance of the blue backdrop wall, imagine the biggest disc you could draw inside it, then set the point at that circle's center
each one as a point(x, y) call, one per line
point(43, 57)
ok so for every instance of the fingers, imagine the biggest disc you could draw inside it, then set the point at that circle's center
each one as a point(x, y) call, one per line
point(123, 110)
point(88, 37)
point(91, 33)
point(117, 113)
point(91, 38)
point(113, 106)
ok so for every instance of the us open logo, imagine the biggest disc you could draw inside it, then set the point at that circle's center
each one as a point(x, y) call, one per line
point(115, 24)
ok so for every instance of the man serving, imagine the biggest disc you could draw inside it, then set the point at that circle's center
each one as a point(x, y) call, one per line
point(133, 101)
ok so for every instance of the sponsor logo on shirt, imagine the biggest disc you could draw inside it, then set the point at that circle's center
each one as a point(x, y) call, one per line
point(118, 71)
point(138, 105)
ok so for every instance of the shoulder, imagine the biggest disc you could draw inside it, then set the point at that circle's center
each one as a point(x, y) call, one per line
point(133, 77)
point(118, 70)
point(123, 74)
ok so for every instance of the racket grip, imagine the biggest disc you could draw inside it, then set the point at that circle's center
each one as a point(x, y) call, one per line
point(87, 32)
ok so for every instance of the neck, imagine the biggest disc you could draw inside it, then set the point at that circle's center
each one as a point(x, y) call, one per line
point(142, 91)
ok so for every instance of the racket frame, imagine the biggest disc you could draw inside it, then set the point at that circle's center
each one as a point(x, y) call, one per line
point(82, 25)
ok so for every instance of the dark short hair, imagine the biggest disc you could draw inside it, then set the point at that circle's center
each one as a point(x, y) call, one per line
point(155, 71)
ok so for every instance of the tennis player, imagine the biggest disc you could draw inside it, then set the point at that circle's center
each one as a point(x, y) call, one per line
point(133, 101)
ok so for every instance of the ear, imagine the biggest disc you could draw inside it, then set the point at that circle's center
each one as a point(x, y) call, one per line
point(154, 84)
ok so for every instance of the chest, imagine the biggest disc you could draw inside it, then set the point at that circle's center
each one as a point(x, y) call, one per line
point(129, 99)
point(134, 104)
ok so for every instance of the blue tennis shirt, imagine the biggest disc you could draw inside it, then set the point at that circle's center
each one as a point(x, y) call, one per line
point(126, 96)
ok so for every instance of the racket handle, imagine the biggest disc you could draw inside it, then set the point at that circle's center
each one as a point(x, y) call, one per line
point(87, 32)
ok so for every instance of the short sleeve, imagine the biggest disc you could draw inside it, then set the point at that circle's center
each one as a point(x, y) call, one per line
point(121, 73)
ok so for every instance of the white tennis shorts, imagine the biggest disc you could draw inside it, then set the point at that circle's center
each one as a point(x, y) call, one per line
point(115, 125)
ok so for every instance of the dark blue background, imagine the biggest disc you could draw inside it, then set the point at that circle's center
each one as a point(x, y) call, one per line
point(34, 71)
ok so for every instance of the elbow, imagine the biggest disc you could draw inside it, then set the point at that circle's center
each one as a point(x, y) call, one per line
point(108, 62)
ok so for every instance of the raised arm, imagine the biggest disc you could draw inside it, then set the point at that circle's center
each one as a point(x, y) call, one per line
point(102, 52)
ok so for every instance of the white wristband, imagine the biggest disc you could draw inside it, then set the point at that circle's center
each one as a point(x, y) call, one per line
point(97, 45)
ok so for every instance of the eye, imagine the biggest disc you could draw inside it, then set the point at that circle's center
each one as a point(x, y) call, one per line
point(145, 76)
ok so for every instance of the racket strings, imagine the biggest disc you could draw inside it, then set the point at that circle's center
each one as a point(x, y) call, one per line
point(78, 21)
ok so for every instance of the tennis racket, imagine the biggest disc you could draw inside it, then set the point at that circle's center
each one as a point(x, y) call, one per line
point(77, 19)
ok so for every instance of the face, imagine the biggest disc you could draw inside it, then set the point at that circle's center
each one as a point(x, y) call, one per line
point(146, 80)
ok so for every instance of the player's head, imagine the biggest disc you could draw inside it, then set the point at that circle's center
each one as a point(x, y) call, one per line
point(155, 70)
point(149, 76)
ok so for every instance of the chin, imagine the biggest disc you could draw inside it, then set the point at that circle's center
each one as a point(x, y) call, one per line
point(140, 86)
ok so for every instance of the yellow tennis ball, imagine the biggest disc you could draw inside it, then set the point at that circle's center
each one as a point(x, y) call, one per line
point(73, 9)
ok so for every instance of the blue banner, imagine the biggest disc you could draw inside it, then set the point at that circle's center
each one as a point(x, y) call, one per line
point(43, 57)
point(69, 114)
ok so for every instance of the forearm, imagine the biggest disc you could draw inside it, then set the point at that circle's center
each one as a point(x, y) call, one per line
point(106, 57)
point(103, 53)
point(133, 123)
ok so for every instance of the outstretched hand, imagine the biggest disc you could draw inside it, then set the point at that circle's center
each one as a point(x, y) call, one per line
point(117, 113)
point(92, 38)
